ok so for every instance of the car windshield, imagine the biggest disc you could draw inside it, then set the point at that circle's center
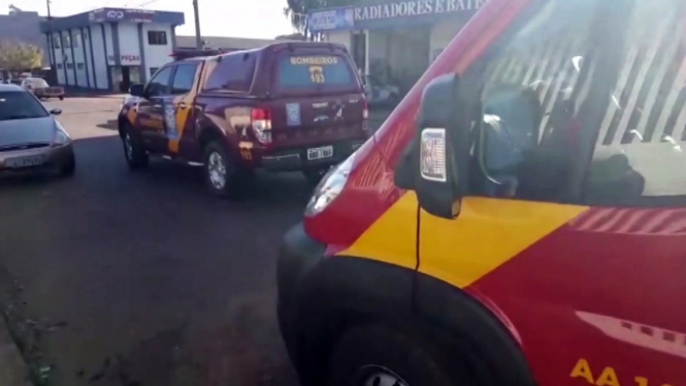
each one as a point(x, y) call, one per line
point(37, 82)
point(20, 105)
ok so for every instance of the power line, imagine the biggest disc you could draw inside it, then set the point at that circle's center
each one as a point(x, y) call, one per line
point(147, 3)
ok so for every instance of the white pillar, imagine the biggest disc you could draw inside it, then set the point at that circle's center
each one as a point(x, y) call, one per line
point(366, 52)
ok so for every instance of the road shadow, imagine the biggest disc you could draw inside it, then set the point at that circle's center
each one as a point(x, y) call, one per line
point(144, 278)
point(111, 124)
point(99, 157)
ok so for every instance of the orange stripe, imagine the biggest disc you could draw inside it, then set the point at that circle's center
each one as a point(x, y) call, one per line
point(488, 233)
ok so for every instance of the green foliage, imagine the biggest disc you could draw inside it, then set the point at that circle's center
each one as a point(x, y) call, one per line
point(297, 9)
point(18, 56)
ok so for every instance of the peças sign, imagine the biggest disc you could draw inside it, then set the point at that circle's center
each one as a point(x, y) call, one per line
point(414, 8)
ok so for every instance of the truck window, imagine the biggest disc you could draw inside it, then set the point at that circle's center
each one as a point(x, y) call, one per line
point(314, 72)
point(159, 85)
point(233, 73)
point(533, 84)
point(639, 154)
point(184, 77)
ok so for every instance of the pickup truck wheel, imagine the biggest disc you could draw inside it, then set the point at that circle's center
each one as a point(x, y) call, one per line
point(61, 98)
point(221, 173)
point(374, 355)
point(136, 157)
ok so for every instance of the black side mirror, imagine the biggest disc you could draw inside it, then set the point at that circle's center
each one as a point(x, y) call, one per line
point(55, 111)
point(435, 163)
point(137, 90)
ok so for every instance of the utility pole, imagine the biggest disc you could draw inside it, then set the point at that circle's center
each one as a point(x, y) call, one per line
point(198, 38)
point(51, 54)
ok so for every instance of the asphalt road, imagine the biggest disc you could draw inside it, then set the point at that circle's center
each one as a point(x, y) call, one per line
point(142, 279)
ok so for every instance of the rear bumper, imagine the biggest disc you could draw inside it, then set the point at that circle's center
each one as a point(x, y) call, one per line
point(296, 158)
point(54, 158)
point(48, 94)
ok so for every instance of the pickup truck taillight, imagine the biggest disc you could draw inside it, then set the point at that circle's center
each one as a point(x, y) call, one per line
point(261, 122)
point(365, 108)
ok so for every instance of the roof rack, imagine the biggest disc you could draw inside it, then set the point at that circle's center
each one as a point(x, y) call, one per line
point(181, 54)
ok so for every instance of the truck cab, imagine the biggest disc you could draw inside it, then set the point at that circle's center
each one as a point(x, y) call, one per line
point(293, 106)
point(519, 219)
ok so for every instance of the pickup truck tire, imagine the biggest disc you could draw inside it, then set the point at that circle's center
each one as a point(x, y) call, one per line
point(135, 154)
point(221, 173)
point(378, 355)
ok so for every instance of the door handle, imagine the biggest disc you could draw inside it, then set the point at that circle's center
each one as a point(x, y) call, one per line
point(182, 105)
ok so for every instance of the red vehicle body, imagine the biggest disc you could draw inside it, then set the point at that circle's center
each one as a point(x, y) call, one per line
point(419, 262)
point(287, 106)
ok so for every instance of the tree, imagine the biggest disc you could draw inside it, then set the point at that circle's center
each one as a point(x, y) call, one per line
point(18, 56)
point(297, 10)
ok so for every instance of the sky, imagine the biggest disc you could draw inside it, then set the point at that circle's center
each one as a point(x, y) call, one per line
point(256, 19)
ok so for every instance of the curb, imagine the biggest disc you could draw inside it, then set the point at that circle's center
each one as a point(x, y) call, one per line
point(13, 370)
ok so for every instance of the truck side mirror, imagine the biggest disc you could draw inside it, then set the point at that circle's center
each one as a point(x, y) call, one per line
point(435, 163)
point(137, 90)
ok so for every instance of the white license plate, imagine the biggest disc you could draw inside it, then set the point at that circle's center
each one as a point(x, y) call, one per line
point(25, 162)
point(319, 153)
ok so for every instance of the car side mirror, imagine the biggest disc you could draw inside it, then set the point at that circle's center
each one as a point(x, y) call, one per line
point(435, 165)
point(55, 111)
point(137, 90)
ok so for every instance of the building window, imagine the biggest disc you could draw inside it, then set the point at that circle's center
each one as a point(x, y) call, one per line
point(56, 41)
point(76, 40)
point(85, 36)
point(79, 66)
point(153, 71)
point(70, 66)
point(59, 66)
point(67, 41)
point(157, 38)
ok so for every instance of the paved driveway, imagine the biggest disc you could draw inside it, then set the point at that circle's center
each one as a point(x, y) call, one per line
point(122, 278)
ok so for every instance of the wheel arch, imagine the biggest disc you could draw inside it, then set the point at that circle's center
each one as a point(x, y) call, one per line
point(207, 134)
point(344, 291)
point(122, 121)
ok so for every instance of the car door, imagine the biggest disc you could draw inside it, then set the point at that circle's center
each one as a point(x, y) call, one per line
point(584, 262)
point(151, 114)
point(180, 112)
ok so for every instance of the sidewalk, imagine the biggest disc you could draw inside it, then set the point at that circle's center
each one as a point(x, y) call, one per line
point(85, 93)
point(13, 369)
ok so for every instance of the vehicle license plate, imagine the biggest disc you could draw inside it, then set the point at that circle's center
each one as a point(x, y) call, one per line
point(25, 162)
point(319, 152)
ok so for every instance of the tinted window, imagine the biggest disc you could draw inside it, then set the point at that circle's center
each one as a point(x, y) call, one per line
point(20, 105)
point(157, 38)
point(233, 73)
point(640, 152)
point(314, 72)
point(184, 78)
point(159, 85)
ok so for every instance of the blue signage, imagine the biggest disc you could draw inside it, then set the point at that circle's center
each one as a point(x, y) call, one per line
point(331, 19)
point(121, 14)
point(390, 14)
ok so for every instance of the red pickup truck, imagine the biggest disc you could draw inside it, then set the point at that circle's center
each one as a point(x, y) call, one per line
point(283, 107)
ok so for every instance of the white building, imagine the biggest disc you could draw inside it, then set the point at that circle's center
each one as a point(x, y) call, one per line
point(110, 48)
